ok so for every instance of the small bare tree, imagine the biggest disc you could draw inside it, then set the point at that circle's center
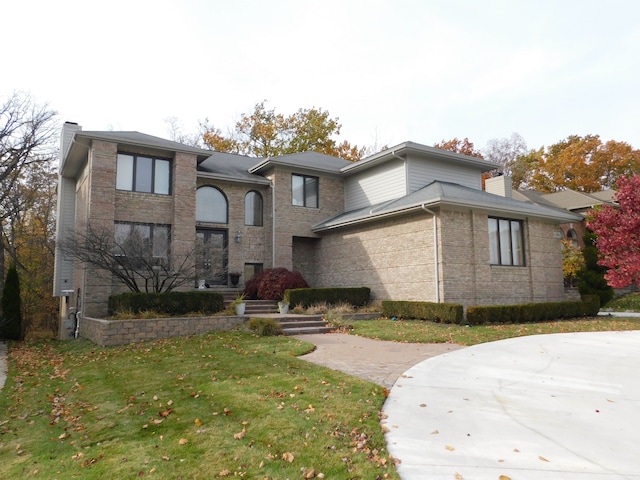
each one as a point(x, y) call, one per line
point(138, 255)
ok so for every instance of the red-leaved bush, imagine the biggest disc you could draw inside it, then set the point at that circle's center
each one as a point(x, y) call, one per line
point(271, 284)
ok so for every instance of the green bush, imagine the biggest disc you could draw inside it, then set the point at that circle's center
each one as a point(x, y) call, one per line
point(172, 303)
point(306, 297)
point(435, 312)
point(532, 312)
point(265, 327)
point(11, 320)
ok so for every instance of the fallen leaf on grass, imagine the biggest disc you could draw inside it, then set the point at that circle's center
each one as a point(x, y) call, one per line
point(288, 457)
point(183, 441)
point(198, 422)
point(240, 435)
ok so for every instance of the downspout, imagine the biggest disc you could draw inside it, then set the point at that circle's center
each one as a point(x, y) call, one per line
point(435, 249)
point(273, 224)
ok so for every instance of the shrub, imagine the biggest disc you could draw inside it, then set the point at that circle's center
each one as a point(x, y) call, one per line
point(435, 312)
point(532, 312)
point(265, 327)
point(11, 320)
point(172, 303)
point(272, 283)
point(333, 296)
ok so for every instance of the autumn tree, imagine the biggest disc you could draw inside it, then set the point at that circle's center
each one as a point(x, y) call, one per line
point(465, 147)
point(28, 134)
point(131, 257)
point(617, 230)
point(265, 133)
point(583, 164)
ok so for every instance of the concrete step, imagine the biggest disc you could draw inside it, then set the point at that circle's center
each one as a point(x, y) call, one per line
point(300, 324)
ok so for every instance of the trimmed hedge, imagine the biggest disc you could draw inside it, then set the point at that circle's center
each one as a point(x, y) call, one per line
point(306, 297)
point(173, 303)
point(533, 312)
point(434, 312)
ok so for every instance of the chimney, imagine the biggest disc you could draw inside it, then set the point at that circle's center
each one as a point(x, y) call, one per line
point(68, 131)
point(500, 185)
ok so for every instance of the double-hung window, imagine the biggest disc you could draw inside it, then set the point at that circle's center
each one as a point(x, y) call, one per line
point(506, 242)
point(253, 209)
point(304, 191)
point(142, 244)
point(139, 173)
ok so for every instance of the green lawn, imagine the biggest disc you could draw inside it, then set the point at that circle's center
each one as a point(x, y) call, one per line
point(427, 332)
point(227, 404)
point(212, 406)
point(625, 303)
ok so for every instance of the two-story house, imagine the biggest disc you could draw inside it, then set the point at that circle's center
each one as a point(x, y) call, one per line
point(411, 222)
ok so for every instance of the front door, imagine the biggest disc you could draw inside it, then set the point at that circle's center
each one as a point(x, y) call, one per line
point(211, 250)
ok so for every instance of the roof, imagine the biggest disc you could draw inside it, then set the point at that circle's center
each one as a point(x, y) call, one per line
point(229, 166)
point(407, 148)
point(439, 194)
point(316, 161)
point(81, 142)
point(571, 200)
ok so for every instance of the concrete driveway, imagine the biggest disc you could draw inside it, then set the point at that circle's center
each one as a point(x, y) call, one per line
point(564, 406)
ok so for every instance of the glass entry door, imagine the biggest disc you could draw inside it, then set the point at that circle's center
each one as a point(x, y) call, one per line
point(212, 254)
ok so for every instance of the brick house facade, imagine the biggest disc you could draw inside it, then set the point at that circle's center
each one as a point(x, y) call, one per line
point(411, 222)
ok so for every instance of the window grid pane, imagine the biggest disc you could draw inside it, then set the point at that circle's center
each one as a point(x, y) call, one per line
point(506, 242)
point(253, 209)
point(211, 205)
point(144, 174)
point(124, 172)
point(304, 191)
point(161, 177)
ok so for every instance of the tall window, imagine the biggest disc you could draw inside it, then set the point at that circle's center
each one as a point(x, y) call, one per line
point(142, 242)
point(253, 209)
point(211, 206)
point(506, 242)
point(572, 236)
point(143, 174)
point(304, 191)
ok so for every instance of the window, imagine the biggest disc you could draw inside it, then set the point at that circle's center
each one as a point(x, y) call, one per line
point(253, 209)
point(148, 243)
point(572, 236)
point(506, 242)
point(143, 174)
point(304, 191)
point(211, 206)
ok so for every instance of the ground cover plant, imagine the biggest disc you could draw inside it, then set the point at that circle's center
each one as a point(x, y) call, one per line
point(625, 303)
point(226, 404)
point(418, 331)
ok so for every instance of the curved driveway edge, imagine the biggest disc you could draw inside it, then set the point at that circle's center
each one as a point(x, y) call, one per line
point(563, 406)
point(374, 360)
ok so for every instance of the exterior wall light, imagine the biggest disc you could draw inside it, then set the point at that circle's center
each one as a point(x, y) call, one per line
point(238, 237)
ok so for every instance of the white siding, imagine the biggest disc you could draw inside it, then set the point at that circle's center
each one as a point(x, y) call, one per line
point(424, 171)
point(63, 268)
point(376, 185)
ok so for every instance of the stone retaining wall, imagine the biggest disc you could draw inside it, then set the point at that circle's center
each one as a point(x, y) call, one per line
point(122, 332)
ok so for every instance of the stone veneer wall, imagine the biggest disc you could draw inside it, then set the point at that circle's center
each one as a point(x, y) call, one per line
point(122, 332)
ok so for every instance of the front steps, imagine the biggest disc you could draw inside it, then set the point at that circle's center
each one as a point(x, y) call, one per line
point(291, 324)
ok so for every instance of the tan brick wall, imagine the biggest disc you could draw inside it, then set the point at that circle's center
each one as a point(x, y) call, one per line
point(295, 221)
point(395, 258)
point(255, 244)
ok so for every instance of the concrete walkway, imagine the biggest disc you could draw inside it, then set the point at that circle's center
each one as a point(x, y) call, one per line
point(3, 363)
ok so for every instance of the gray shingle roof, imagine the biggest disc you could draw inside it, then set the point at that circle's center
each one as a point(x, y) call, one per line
point(307, 160)
point(142, 139)
point(439, 194)
point(232, 167)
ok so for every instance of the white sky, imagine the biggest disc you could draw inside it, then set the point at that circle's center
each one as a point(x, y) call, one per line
point(391, 70)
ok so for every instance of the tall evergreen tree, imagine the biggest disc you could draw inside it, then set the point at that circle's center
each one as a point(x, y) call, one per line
point(11, 322)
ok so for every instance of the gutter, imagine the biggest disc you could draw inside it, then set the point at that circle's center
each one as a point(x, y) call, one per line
point(435, 250)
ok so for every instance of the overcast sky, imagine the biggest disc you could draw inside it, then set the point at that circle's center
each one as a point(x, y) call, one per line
point(391, 70)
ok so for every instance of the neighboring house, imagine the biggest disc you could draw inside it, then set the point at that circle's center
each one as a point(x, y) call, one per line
point(576, 202)
point(411, 222)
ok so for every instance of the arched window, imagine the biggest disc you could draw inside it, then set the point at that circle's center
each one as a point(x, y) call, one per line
point(573, 237)
point(253, 209)
point(211, 206)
